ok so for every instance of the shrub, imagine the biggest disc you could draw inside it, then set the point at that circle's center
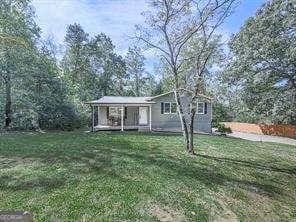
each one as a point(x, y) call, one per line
point(215, 124)
point(25, 119)
point(61, 117)
point(223, 129)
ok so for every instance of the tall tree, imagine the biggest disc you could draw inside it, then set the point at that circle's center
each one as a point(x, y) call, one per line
point(151, 87)
point(75, 61)
point(100, 52)
point(118, 67)
point(171, 25)
point(19, 30)
point(135, 69)
point(108, 70)
point(263, 63)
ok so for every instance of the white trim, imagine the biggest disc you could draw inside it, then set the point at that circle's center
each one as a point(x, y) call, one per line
point(150, 117)
point(122, 117)
point(211, 117)
point(122, 104)
point(98, 115)
point(160, 95)
point(203, 108)
point(181, 89)
point(93, 117)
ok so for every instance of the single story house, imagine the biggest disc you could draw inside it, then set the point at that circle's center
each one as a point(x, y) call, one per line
point(157, 113)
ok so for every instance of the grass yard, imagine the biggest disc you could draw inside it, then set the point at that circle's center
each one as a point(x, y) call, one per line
point(78, 176)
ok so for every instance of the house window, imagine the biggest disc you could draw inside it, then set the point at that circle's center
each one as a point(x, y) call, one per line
point(167, 108)
point(200, 108)
point(114, 111)
point(173, 107)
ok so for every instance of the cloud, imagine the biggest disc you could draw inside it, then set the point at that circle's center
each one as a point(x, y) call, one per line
point(116, 18)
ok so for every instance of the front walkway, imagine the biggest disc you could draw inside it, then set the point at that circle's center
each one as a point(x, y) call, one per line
point(263, 138)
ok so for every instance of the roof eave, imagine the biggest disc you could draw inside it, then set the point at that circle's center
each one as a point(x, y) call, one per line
point(201, 95)
point(104, 103)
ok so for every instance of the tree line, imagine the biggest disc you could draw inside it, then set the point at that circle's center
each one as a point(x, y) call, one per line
point(258, 84)
point(39, 91)
point(253, 81)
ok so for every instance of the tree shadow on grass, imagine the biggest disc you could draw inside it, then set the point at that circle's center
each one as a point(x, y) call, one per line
point(9, 182)
point(250, 164)
point(97, 159)
point(172, 168)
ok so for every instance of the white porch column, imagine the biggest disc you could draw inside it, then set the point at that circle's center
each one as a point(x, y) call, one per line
point(122, 116)
point(150, 118)
point(98, 115)
point(211, 115)
point(93, 118)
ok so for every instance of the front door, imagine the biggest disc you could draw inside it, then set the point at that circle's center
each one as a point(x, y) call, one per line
point(143, 117)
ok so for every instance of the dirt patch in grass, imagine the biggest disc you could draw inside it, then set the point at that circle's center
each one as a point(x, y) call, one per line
point(223, 212)
point(161, 213)
point(165, 214)
point(226, 216)
point(14, 161)
point(262, 209)
point(256, 207)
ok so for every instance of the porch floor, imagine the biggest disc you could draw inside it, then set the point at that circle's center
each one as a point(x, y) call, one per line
point(106, 127)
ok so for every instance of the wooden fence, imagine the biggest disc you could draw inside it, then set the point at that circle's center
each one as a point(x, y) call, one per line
point(275, 130)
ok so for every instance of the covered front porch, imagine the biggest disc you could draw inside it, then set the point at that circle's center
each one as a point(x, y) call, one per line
point(121, 117)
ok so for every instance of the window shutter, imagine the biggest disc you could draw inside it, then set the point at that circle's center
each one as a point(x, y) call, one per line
point(107, 112)
point(162, 108)
point(206, 108)
point(125, 112)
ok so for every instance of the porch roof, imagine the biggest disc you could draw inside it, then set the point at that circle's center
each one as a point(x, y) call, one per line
point(121, 100)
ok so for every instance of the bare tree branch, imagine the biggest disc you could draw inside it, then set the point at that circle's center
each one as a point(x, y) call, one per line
point(152, 45)
point(176, 23)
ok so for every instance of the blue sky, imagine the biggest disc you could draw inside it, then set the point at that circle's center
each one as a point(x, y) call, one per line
point(116, 18)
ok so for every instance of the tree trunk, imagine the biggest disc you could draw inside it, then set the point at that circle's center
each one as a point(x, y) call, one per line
point(8, 109)
point(184, 124)
point(190, 135)
point(186, 136)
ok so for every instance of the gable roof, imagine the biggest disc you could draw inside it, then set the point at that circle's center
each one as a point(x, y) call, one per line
point(134, 99)
point(164, 94)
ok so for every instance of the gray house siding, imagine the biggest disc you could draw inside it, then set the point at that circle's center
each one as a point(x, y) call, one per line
point(164, 121)
point(160, 121)
point(172, 121)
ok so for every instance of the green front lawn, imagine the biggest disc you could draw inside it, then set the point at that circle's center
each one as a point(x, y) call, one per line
point(78, 176)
